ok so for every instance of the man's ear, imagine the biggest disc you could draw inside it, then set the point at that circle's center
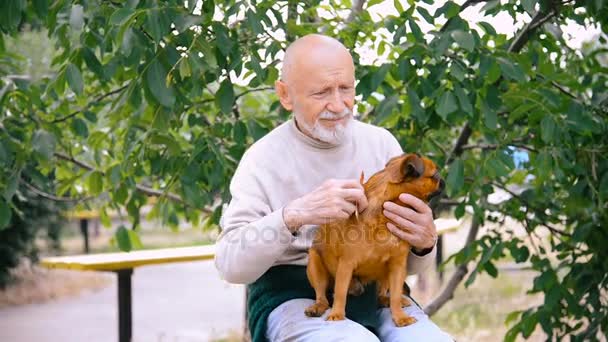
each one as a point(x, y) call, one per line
point(283, 93)
point(408, 166)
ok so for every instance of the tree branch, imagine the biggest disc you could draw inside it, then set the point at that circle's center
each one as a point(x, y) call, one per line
point(139, 187)
point(457, 277)
point(355, 10)
point(496, 146)
point(524, 35)
point(463, 138)
point(251, 91)
point(52, 197)
point(95, 101)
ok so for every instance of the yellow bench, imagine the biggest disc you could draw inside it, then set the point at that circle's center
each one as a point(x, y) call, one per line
point(123, 264)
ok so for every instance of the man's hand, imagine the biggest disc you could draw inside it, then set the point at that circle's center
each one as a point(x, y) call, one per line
point(416, 226)
point(335, 199)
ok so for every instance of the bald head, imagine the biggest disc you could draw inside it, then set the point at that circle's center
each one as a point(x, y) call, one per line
point(313, 51)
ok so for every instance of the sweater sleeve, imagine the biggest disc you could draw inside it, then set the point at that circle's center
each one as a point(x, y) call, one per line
point(415, 263)
point(253, 235)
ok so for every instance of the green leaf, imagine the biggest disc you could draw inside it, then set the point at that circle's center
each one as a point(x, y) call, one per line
point(93, 63)
point(80, 127)
point(11, 186)
point(208, 9)
point(184, 69)
point(254, 22)
point(464, 39)
point(446, 105)
point(386, 108)
point(511, 70)
point(490, 5)
point(121, 194)
point(224, 97)
point(120, 16)
point(122, 238)
point(488, 28)
point(41, 8)
point(455, 180)
point(10, 14)
point(74, 79)
point(528, 6)
point(5, 214)
point(134, 239)
point(224, 43)
point(547, 129)
point(511, 317)
point(491, 269)
point(379, 76)
point(44, 143)
point(489, 116)
point(416, 30)
point(158, 24)
point(426, 15)
point(417, 111)
point(95, 182)
point(457, 71)
point(373, 2)
point(398, 6)
point(449, 9)
point(156, 80)
point(463, 99)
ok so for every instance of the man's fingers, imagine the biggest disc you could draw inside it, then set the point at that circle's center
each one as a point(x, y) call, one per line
point(404, 212)
point(350, 184)
point(415, 203)
point(402, 234)
point(355, 196)
point(348, 207)
point(401, 222)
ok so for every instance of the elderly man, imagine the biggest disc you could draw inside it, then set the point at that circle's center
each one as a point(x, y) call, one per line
point(304, 173)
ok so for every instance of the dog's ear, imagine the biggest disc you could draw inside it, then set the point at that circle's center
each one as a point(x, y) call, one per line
point(414, 166)
point(408, 166)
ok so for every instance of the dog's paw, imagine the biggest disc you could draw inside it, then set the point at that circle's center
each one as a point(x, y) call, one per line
point(403, 320)
point(316, 310)
point(335, 316)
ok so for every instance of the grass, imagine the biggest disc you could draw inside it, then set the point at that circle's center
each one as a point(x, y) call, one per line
point(478, 313)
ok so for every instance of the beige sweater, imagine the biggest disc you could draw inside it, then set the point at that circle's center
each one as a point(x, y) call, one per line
point(282, 166)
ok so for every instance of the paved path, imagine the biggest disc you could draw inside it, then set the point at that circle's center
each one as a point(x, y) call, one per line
point(176, 302)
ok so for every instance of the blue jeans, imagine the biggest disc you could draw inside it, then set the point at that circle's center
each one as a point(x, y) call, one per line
point(288, 323)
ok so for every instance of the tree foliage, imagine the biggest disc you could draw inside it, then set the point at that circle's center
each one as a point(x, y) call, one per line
point(161, 98)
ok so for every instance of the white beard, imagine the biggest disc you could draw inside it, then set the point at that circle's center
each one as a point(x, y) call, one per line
point(336, 136)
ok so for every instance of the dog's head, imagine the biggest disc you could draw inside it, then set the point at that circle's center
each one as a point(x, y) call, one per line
point(413, 174)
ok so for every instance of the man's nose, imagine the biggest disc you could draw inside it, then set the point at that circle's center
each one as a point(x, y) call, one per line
point(336, 103)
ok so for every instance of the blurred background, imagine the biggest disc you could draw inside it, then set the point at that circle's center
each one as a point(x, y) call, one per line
point(121, 124)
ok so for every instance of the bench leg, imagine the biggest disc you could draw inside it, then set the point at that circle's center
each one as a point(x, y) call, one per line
point(124, 304)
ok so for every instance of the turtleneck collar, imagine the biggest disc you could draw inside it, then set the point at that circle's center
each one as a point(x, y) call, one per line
point(309, 140)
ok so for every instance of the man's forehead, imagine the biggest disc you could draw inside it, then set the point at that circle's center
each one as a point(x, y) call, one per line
point(316, 53)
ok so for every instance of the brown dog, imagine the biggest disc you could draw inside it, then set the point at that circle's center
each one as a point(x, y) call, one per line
point(361, 246)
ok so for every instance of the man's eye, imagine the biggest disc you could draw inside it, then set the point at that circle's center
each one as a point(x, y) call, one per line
point(322, 92)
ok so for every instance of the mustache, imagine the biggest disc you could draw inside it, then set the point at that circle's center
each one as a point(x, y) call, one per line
point(334, 116)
